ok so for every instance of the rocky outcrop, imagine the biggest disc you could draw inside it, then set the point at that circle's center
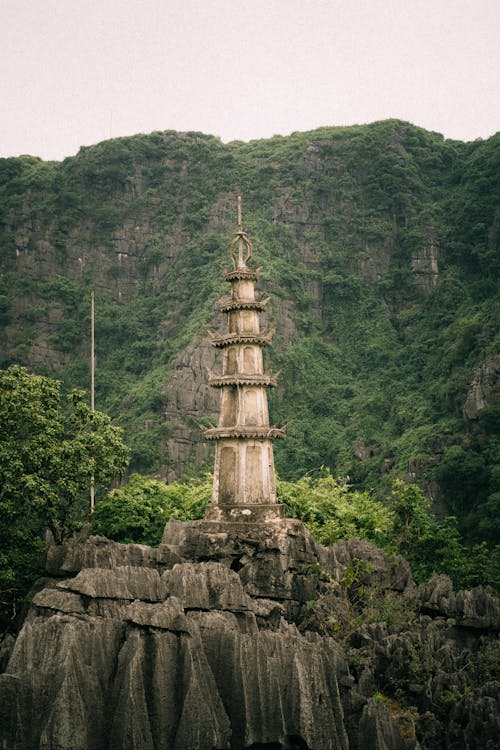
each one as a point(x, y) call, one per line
point(473, 609)
point(188, 398)
point(381, 731)
point(244, 636)
point(485, 388)
point(424, 264)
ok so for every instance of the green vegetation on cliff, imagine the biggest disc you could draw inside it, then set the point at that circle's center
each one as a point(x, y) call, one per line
point(379, 250)
point(50, 448)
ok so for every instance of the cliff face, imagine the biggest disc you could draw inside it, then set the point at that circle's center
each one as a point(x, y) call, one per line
point(485, 388)
point(248, 637)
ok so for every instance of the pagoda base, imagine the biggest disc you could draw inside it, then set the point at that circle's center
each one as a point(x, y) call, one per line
point(256, 513)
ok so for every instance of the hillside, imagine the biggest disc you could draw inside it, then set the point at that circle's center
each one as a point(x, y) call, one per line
point(379, 250)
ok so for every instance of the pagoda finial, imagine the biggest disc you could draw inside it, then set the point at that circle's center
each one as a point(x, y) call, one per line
point(242, 242)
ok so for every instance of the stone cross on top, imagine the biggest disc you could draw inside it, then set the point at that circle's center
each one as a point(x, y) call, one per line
point(244, 483)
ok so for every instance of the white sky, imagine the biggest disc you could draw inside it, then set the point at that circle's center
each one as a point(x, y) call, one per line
point(76, 72)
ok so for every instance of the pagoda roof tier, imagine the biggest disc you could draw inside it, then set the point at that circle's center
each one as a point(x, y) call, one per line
point(218, 381)
point(227, 339)
point(240, 304)
point(244, 432)
point(242, 273)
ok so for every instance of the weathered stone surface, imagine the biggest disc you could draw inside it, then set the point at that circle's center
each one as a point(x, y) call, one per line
point(165, 696)
point(242, 636)
point(437, 595)
point(424, 263)
point(6, 645)
point(485, 388)
point(479, 608)
point(167, 615)
point(276, 684)
point(475, 721)
point(96, 552)
point(379, 730)
point(237, 544)
point(63, 667)
point(207, 585)
point(59, 601)
point(388, 571)
point(122, 582)
point(188, 398)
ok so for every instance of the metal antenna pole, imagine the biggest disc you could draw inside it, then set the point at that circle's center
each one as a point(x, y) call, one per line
point(92, 369)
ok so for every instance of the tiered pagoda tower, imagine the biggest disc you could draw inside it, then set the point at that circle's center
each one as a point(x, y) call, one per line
point(244, 482)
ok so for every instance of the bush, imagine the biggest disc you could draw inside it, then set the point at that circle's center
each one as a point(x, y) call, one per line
point(139, 511)
point(332, 510)
point(436, 546)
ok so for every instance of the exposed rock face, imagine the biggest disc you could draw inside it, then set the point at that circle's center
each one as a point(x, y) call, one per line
point(485, 388)
point(188, 398)
point(236, 637)
point(424, 264)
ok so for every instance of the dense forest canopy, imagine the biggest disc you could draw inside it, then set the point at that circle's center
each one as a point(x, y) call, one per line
point(379, 250)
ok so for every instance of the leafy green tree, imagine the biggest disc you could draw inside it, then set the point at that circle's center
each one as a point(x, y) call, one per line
point(49, 449)
point(462, 475)
point(332, 510)
point(139, 511)
point(432, 545)
point(403, 524)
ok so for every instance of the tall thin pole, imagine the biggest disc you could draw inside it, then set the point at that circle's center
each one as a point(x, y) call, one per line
point(92, 354)
point(92, 369)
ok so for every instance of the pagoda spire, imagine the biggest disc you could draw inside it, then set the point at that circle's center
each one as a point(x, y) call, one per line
point(241, 243)
point(244, 486)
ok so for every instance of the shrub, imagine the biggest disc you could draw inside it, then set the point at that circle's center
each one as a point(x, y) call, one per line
point(139, 511)
point(332, 510)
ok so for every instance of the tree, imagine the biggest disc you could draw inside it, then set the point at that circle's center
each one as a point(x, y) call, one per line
point(434, 545)
point(463, 476)
point(49, 449)
point(139, 511)
point(332, 510)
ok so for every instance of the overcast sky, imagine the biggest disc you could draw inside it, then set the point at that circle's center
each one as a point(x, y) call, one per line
point(76, 72)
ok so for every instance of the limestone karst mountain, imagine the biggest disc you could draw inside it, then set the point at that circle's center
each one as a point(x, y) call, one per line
point(246, 636)
point(379, 245)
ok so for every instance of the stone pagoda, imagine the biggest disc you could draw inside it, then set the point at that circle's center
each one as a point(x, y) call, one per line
point(244, 482)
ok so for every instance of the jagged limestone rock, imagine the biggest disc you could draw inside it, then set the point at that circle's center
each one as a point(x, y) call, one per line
point(98, 552)
point(485, 388)
point(122, 582)
point(478, 608)
point(477, 716)
point(379, 731)
point(227, 637)
point(207, 585)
